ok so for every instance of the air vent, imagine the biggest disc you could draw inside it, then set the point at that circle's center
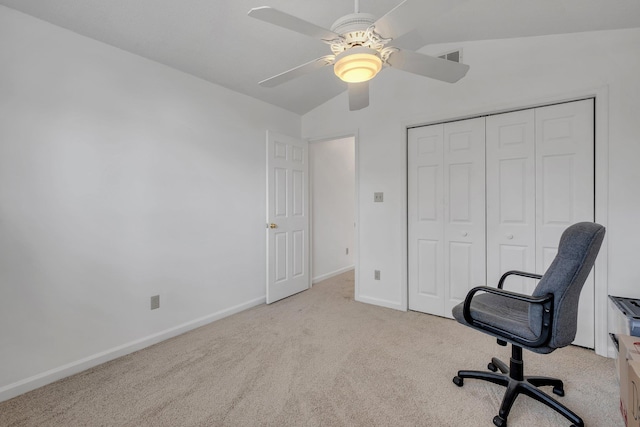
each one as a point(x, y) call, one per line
point(455, 56)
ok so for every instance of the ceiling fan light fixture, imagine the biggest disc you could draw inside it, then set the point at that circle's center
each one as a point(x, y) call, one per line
point(357, 64)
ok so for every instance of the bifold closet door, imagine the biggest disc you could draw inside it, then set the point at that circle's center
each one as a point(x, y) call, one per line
point(565, 190)
point(446, 212)
point(540, 180)
point(511, 198)
point(425, 188)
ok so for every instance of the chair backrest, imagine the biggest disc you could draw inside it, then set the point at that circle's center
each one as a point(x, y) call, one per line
point(577, 251)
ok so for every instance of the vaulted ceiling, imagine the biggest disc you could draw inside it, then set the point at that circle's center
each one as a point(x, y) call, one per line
point(215, 39)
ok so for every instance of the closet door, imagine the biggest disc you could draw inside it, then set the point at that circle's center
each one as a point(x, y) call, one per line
point(511, 191)
point(464, 209)
point(540, 180)
point(446, 213)
point(425, 187)
point(565, 189)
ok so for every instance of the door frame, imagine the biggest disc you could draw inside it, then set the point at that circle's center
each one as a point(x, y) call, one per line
point(600, 94)
point(356, 238)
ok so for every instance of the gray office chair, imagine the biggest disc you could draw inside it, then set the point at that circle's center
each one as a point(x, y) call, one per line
point(542, 322)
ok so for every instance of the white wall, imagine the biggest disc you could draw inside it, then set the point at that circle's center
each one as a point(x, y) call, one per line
point(119, 179)
point(504, 74)
point(332, 165)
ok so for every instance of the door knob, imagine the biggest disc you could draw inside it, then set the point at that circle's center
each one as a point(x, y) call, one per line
point(464, 234)
point(272, 225)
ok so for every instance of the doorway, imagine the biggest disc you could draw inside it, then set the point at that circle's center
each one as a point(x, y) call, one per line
point(332, 174)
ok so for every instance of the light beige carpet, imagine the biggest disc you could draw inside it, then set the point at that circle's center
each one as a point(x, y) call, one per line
point(316, 359)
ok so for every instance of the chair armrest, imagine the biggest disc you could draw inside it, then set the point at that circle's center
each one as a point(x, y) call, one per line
point(545, 301)
point(517, 273)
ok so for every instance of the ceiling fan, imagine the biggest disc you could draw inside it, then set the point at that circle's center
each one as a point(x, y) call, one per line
point(360, 46)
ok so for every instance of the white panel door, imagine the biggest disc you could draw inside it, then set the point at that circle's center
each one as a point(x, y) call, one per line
point(287, 217)
point(565, 189)
point(511, 194)
point(446, 214)
point(464, 209)
point(426, 219)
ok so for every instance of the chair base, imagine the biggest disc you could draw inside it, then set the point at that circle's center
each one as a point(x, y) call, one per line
point(516, 383)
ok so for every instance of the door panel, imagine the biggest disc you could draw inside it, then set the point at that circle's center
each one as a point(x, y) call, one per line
point(428, 268)
point(280, 261)
point(464, 209)
point(287, 210)
point(426, 219)
point(511, 198)
point(298, 193)
point(512, 191)
point(428, 192)
point(460, 176)
point(280, 189)
point(558, 174)
point(565, 179)
point(460, 270)
point(298, 253)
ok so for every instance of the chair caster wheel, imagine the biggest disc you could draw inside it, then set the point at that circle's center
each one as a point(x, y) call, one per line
point(559, 391)
point(492, 367)
point(458, 381)
point(499, 421)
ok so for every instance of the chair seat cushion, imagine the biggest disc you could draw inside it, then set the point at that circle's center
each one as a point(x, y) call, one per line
point(503, 313)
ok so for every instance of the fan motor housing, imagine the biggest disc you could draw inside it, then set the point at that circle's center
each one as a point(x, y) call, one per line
point(356, 29)
point(353, 22)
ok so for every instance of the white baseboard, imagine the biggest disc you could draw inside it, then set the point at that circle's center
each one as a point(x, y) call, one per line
point(42, 379)
point(381, 302)
point(326, 276)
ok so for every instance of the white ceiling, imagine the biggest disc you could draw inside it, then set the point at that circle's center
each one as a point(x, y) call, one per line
point(216, 40)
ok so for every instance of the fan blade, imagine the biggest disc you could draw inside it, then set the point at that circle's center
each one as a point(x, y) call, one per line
point(298, 71)
point(410, 14)
point(358, 95)
point(282, 19)
point(429, 66)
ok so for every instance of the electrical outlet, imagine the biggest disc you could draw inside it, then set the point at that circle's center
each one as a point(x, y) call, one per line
point(378, 197)
point(155, 302)
point(376, 274)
